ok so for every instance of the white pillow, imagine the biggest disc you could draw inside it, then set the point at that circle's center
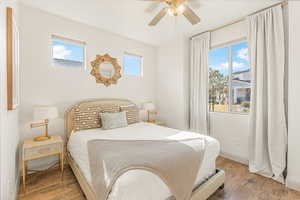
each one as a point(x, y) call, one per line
point(113, 120)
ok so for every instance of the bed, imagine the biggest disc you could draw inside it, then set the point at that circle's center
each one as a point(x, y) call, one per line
point(81, 126)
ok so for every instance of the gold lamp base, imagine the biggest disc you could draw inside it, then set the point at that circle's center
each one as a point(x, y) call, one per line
point(41, 138)
point(151, 120)
point(46, 136)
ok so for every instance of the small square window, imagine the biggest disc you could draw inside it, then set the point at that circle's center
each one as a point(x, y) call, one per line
point(132, 65)
point(68, 53)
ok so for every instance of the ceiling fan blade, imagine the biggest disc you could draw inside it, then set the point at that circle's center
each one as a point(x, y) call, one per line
point(191, 15)
point(158, 17)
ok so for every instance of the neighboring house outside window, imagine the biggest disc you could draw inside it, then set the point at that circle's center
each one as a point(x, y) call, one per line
point(68, 53)
point(132, 65)
point(229, 79)
point(241, 86)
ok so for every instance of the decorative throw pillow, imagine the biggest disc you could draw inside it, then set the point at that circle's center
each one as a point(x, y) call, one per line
point(132, 113)
point(86, 116)
point(113, 120)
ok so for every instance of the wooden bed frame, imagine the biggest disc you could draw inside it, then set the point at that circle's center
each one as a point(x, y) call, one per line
point(202, 192)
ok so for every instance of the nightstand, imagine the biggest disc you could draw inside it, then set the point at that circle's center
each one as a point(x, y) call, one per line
point(33, 150)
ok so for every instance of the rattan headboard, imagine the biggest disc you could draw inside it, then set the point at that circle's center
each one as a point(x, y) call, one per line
point(85, 114)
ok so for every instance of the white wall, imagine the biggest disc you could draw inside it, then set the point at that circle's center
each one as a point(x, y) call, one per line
point(172, 83)
point(41, 83)
point(293, 178)
point(172, 93)
point(9, 135)
point(230, 33)
point(232, 130)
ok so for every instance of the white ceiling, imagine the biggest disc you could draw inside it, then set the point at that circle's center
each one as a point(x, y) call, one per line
point(129, 17)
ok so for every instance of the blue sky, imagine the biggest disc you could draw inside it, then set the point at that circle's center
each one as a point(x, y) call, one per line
point(132, 65)
point(218, 58)
point(68, 51)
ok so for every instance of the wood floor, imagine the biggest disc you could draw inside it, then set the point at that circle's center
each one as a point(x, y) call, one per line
point(239, 185)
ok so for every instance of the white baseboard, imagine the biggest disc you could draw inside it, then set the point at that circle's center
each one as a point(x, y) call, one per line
point(234, 158)
point(292, 183)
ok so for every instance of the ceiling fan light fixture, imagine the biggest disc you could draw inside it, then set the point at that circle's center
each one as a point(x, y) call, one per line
point(175, 8)
point(181, 9)
point(171, 12)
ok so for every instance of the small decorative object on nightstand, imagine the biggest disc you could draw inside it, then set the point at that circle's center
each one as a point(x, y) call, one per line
point(39, 149)
point(150, 108)
point(43, 113)
point(159, 123)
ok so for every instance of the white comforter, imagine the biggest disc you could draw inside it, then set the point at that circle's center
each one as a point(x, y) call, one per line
point(140, 184)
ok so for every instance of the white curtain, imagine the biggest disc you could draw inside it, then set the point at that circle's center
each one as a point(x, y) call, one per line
point(199, 83)
point(268, 130)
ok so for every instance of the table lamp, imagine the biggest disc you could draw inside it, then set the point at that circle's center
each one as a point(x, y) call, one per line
point(150, 108)
point(43, 113)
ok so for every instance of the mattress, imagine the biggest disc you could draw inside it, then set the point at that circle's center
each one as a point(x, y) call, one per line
point(140, 184)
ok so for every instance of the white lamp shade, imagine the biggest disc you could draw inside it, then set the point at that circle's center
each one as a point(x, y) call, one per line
point(44, 112)
point(149, 106)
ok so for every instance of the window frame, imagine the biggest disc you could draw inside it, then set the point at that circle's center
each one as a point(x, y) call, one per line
point(230, 67)
point(141, 67)
point(69, 41)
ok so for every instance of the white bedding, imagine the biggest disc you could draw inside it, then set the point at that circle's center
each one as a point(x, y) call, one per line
point(140, 184)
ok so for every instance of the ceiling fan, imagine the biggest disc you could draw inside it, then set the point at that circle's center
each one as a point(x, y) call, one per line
point(175, 8)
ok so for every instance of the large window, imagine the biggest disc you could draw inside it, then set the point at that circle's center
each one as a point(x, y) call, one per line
point(229, 79)
point(132, 64)
point(68, 53)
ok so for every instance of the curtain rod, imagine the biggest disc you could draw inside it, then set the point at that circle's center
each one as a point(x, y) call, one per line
point(284, 3)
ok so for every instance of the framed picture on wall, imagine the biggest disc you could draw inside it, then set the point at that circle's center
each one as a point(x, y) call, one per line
point(13, 96)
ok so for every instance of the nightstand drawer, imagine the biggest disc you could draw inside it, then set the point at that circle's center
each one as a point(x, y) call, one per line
point(42, 150)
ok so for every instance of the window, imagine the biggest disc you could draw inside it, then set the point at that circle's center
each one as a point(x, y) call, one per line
point(68, 53)
point(132, 64)
point(229, 79)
